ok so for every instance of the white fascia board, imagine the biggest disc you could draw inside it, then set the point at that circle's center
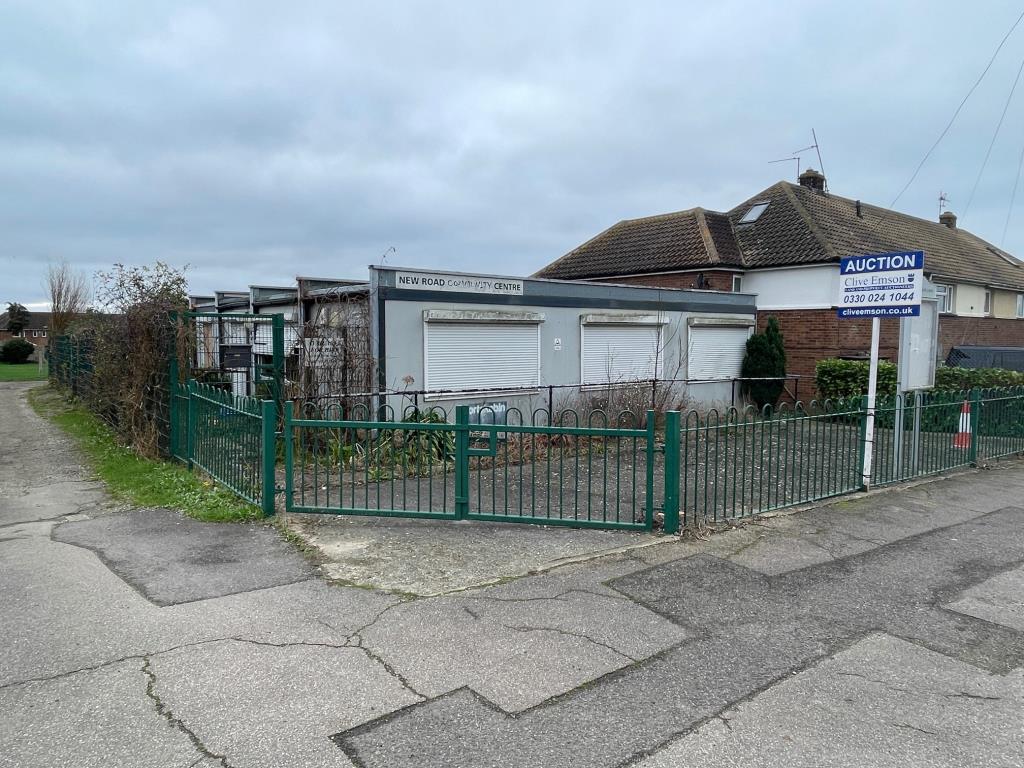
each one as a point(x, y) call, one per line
point(622, 318)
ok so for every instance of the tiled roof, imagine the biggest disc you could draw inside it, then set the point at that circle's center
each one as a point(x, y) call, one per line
point(36, 322)
point(799, 226)
point(672, 241)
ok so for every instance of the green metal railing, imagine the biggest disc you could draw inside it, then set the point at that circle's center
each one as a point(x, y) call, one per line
point(919, 434)
point(999, 422)
point(232, 439)
point(594, 474)
point(579, 470)
point(740, 463)
point(242, 354)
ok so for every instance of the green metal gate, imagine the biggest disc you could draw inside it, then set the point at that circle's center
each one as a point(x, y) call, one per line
point(232, 438)
point(598, 475)
point(240, 354)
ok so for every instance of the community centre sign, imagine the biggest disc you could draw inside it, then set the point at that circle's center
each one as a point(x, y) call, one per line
point(440, 281)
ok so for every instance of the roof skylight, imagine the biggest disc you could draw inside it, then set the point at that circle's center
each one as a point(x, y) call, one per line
point(753, 212)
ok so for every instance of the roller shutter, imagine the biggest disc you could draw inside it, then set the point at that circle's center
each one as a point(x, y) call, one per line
point(616, 352)
point(472, 356)
point(716, 352)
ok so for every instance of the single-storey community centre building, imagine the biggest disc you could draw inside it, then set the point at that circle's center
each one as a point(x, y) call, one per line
point(429, 337)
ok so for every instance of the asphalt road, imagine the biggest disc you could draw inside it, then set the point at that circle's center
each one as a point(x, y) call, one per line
point(881, 631)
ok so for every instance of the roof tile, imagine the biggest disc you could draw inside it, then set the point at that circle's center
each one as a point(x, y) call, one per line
point(799, 226)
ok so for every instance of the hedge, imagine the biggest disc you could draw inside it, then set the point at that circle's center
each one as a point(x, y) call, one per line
point(947, 378)
point(836, 379)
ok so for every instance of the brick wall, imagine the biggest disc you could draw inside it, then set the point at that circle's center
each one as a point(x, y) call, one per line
point(716, 280)
point(980, 331)
point(811, 335)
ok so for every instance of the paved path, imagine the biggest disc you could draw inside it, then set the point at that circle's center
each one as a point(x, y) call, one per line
point(882, 631)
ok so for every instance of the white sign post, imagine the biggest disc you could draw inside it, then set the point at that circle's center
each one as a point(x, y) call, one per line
point(876, 286)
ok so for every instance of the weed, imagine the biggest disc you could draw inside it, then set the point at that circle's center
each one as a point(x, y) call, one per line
point(134, 479)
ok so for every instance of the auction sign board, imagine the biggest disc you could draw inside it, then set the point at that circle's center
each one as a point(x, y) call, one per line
point(881, 285)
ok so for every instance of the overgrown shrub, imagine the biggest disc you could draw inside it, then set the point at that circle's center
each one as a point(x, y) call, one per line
point(836, 379)
point(129, 350)
point(765, 358)
point(16, 351)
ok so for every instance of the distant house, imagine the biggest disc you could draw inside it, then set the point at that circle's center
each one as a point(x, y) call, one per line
point(37, 332)
point(783, 245)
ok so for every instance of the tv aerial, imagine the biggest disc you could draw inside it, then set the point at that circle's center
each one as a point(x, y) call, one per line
point(795, 157)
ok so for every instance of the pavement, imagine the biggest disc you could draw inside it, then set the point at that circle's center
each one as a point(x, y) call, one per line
point(881, 630)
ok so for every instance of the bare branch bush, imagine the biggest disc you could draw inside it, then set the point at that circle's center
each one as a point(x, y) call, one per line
point(69, 296)
point(129, 350)
point(333, 363)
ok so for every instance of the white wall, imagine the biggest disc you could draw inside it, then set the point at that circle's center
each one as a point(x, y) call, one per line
point(560, 364)
point(813, 287)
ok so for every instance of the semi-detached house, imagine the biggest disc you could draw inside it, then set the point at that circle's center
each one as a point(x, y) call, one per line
point(784, 243)
point(36, 332)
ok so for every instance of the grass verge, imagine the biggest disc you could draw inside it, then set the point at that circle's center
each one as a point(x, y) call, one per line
point(21, 372)
point(131, 478)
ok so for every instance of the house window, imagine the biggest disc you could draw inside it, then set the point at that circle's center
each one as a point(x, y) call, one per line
point(988, 303)
point(737, 283)
point(1020, 305)
point(35, 334)
point(470, 356)
point(620, 352)
point(944, 294)
point(715, 352)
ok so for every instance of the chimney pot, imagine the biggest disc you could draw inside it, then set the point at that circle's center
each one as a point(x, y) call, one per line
point(948, 218)
point(812, 179)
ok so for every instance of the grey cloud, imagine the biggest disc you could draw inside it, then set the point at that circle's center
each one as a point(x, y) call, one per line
point(258, 140)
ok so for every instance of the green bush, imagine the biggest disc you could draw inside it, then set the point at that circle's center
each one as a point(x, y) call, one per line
point(765, 357)
point(847, 378)
point(16, 351)
point(837, 379)
point(949, 378)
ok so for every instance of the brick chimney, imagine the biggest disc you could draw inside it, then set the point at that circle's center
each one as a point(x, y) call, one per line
point(948, 218)
point(812, 179)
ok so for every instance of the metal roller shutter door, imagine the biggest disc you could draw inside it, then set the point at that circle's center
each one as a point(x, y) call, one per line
point(716, 353)
point(614, 353)
point(471, 356)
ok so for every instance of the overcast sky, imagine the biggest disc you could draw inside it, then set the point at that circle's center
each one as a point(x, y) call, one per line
point(261, 140)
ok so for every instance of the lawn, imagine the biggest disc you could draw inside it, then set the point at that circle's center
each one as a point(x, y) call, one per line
point(132, 478)
point(22, 372)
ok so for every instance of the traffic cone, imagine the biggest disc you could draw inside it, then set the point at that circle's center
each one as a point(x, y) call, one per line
point(963, 436)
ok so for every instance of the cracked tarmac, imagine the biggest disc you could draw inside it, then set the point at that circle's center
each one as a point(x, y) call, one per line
point(881, 630)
